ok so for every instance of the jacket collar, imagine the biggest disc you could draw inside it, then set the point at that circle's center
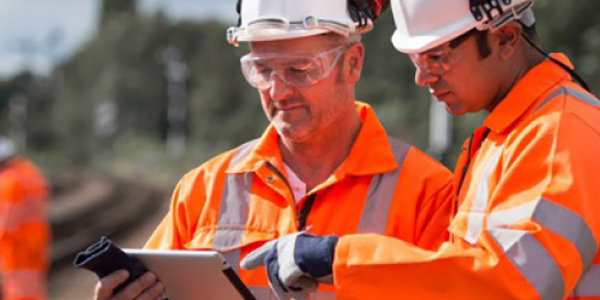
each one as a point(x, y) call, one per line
point(371, 152)
point(526, 92)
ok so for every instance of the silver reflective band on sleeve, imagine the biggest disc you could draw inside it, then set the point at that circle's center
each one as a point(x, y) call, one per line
point(381, 193)
point(587, 98)
point(233, 211)
point(233, 259)
point(530, 257)
point(589, 284)
point(552, 217)
point(265, 293)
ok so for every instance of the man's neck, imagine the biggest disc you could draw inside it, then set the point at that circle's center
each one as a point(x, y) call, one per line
point(314, 161)
point(524, 65)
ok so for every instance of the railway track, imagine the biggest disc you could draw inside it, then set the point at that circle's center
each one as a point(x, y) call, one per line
point(87, 208)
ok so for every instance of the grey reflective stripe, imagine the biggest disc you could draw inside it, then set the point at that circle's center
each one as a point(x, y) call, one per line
point(587, 98)
point(589, 284)
point(233, 259)
point(555, 218)
point(381, 193)
point(233, 211)
point(530, 257)
point(264, 293)
point(242, 152)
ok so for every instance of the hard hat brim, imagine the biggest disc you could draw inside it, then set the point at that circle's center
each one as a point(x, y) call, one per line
point(282, 36)
point(424, 42)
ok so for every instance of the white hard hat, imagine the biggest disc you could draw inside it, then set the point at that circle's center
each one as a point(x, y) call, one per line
point(267, 20)
point(8, 149)
point(425, 24)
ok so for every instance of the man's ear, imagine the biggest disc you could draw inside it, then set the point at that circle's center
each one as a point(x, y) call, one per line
point(354, 62)
point(507, 38)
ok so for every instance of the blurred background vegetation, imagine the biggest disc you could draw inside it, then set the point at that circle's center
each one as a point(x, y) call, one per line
point(143, 81)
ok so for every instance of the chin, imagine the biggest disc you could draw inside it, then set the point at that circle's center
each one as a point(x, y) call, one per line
point(292, 133)
point(455, 111)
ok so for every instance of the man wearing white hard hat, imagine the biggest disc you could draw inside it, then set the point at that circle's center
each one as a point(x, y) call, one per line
point(24, 229)
point(325, 164)
point(527, 222)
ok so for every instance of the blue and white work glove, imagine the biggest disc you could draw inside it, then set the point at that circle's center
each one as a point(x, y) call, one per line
point(295, 263)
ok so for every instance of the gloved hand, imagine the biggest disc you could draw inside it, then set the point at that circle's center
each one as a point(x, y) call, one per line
point(295, 263)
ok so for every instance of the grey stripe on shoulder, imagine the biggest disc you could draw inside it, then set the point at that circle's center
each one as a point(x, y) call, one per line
point(242, 151)
point(561, 91)
point(233, 211)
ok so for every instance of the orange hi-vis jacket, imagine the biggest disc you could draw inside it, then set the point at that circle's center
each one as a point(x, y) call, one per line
point(528, 221)
point(241, 199)
point(24, 231)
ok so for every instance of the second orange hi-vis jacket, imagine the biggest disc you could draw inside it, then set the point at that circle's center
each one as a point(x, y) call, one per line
point(241, 199)
point(528, 222)
point(24, 231)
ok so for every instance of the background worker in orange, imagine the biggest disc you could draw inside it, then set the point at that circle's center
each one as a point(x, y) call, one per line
point(24, 230)
point(325, 164)
point(528, 219)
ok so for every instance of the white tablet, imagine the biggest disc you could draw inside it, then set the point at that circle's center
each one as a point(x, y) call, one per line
point(193, 275)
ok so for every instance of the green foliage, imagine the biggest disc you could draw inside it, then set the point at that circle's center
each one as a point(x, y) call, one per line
point(111, 9)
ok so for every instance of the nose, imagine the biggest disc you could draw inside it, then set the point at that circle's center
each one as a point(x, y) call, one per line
point(279, 89)
point(424, 78)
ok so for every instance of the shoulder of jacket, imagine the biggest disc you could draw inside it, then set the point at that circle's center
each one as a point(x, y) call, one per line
point(213, 166)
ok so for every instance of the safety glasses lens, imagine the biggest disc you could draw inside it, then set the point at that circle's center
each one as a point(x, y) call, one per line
point(436, 62)
point(297, 71)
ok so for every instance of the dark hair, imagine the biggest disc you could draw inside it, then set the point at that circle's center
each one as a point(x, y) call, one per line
point(482, 41)
point(481, 38)
point(482, 44)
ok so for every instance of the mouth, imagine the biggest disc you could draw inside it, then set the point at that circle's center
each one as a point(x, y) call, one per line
point(440, 95)
point(289, 107)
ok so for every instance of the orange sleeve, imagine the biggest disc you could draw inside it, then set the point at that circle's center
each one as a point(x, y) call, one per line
point(176, 228)
point(540, 232)
point(434, 216)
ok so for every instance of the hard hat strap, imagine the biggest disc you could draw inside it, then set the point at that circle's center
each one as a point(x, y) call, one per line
point(571, 72)
point(238, 9)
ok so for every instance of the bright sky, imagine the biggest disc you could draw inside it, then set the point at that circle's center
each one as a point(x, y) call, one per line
point(36, 33)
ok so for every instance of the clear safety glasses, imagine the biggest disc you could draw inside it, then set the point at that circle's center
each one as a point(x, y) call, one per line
point(294, 70)
point(438, 61)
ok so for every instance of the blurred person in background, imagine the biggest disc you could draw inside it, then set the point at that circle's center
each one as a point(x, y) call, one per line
point(527, 224)
point(324, 165)
point(24, 229)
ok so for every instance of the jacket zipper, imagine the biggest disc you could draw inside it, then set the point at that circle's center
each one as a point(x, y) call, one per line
point(305, 211)
point(302, 216)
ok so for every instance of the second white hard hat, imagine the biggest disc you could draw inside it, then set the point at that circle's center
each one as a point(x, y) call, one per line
point(425, 24)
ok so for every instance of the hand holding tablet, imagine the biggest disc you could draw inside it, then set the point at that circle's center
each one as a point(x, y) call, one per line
point(185, 275)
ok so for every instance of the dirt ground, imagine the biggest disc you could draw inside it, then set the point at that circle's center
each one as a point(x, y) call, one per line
point(68, 283)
